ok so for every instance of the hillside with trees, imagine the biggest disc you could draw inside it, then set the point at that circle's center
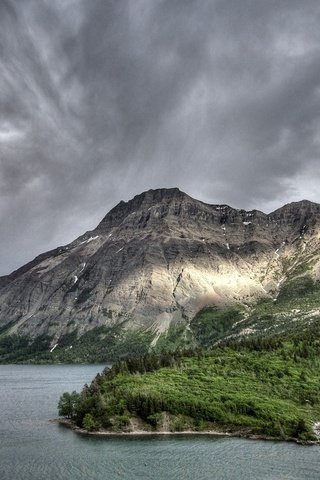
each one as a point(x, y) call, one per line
point(267, 387)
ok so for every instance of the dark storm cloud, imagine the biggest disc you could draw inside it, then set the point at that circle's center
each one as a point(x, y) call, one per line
point(100, 100)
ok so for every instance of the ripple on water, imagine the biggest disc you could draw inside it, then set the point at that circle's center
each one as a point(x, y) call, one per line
point(31, 448)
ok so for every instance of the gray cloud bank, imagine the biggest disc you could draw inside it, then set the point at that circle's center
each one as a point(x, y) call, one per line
point(103, 99)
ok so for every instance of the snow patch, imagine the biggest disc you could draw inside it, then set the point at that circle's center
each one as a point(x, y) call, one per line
point(89, 240)
point(92, 238)
point(82, 267)
point(278, 249)
point(54, 346)
point(247, 223)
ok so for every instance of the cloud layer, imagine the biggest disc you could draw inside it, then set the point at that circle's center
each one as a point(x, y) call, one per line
point(104, 99)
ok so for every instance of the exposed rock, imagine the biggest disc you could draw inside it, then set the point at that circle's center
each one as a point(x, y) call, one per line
point(158, 259)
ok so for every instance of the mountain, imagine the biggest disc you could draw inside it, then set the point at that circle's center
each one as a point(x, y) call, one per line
point(166, 261)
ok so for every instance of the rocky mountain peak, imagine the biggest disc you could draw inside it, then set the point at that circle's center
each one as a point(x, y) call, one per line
point(302, 216)
point(142, 203)
point(302, 206)
point(157, 260)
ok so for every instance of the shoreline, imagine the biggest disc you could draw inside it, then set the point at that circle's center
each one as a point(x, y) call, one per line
point(214, 433)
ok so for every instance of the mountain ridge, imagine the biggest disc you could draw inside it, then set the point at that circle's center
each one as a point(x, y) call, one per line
point(155, 261)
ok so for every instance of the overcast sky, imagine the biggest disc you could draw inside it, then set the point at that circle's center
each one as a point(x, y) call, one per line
point(101, 100)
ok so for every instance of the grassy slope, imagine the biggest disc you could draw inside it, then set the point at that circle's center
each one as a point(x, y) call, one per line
point(269, 389)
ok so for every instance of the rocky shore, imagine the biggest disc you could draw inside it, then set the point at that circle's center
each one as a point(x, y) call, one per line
point(138, 431)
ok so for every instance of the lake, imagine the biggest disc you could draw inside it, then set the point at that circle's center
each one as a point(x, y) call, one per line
point(33, 448)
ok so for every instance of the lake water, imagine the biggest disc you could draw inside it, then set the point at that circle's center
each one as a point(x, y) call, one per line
point(32, 448)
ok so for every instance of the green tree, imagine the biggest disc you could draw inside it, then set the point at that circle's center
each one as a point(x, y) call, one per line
point(68, 403)
point(89, 423)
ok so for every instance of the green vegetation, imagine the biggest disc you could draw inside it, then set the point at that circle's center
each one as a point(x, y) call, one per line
point(68, 404)
point(17, 349)
point(101, 344)
point(268, 387)
point(176, 337)
point(300, 292)
point(211, 324)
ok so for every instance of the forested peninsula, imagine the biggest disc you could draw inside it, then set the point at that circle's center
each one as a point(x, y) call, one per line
point(264, 387)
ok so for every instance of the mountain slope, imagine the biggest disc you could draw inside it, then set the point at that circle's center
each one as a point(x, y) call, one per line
point(158, 260)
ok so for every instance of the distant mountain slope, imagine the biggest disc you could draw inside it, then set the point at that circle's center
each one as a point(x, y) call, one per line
point(155, 262)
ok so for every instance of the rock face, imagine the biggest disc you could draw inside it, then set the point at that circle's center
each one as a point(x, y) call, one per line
point(157, 260)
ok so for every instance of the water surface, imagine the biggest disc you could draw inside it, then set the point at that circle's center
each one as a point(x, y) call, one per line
point(32, 448)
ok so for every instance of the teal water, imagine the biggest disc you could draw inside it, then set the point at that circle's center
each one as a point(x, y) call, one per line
point(32, 448)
